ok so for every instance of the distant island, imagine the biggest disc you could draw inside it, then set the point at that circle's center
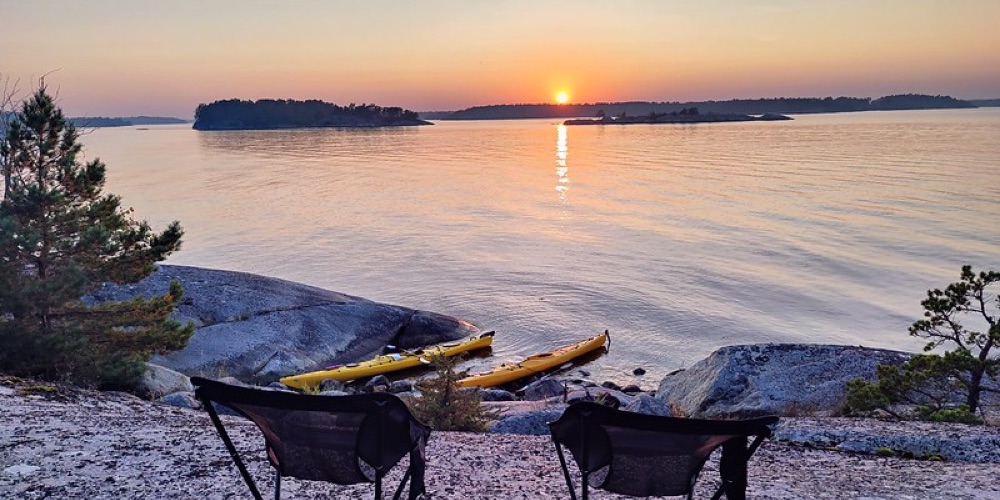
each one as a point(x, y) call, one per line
point(986, 103)
point(782, 105)
point(685, 115)
point(126, 121)
point(267, 114)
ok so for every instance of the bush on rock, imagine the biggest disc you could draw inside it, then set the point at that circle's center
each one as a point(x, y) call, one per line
point(949, 386)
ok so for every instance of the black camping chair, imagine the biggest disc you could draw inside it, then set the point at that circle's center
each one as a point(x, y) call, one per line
point(648, 455)
point(339, 439)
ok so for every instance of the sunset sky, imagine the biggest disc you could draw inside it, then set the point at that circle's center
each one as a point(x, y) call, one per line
point(130, 57)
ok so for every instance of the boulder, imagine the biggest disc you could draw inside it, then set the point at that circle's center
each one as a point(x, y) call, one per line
point(648, 405)
point(608, 397)
point(281, 363)
point(159, 380)
point(498, 395)
point(535, 423)
point(257, 329)
point(544, 389)
point(772, 379)
point(181, 400)
point(233, 381)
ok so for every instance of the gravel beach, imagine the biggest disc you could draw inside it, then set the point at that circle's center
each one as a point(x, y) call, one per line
point(72, 443)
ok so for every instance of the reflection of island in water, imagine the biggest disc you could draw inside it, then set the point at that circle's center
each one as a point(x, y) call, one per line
point(686, 115)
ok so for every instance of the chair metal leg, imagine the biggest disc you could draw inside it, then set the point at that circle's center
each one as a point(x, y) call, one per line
point(562, 462)
point(232, 449)
point(277, 484)
point(402, 483)
point(733, 468)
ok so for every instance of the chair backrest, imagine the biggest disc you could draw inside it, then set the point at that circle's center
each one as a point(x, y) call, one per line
point(340, 439)
point(646, 455)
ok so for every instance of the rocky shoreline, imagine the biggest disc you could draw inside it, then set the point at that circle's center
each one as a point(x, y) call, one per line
point(68, 442)
point(72, 443)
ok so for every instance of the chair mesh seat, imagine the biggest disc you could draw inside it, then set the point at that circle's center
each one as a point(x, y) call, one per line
point(647, 455)
point(337, 439)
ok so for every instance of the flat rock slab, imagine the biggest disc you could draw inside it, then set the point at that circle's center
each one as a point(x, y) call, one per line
point(925, 440)
point(258, 329)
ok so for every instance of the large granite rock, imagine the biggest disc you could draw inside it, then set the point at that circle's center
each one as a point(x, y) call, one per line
point(158, 381)
point(772, 379)
point(257, 328)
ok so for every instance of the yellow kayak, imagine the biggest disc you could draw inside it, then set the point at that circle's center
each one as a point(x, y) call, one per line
point(388, 362)
point(534, 364)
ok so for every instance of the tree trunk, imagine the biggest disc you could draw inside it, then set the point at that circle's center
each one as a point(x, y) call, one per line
point(975, 388)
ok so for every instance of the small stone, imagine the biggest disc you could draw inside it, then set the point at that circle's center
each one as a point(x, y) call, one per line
point(639, 371)
point(631, 388)
point(400, 386)
point(607, 384)
point(333, 393)
point(498, 395)
point(378, 383)
point(331, 385)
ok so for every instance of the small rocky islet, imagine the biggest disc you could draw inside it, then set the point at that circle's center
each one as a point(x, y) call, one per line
point(71, 442)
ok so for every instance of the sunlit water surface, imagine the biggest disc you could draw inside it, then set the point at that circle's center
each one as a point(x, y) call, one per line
point(677, 239)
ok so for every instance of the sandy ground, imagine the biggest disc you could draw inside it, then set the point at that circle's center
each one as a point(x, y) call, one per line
point(92, 445)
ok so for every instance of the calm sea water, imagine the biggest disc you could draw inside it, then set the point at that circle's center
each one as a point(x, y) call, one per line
point(677, 239)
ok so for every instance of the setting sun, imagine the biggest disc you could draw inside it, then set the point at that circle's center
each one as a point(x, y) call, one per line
point(562, 97)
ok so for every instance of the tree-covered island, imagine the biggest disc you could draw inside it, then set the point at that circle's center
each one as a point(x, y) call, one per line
point(266, 114)
point(780, 105)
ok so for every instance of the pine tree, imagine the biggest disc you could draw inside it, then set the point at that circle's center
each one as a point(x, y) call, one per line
point(445, 406)
point(61, 237)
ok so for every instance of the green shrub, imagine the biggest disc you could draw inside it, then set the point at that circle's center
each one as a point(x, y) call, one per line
point(445, 406)
point(882, 451)
point(958, 414)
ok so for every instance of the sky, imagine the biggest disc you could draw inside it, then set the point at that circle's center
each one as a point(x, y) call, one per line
point(163, 58)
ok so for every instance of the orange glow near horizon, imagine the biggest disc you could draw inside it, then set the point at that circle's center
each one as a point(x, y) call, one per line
point(181, 54)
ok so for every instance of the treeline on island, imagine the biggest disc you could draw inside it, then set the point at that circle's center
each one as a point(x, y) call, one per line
point(264, 114)
point(781, 105)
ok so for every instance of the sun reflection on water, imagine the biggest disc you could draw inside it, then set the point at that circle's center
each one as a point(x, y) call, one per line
point(562, 169)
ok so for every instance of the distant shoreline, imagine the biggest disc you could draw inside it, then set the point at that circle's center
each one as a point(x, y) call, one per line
point(782, 105)
point(677, 119)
